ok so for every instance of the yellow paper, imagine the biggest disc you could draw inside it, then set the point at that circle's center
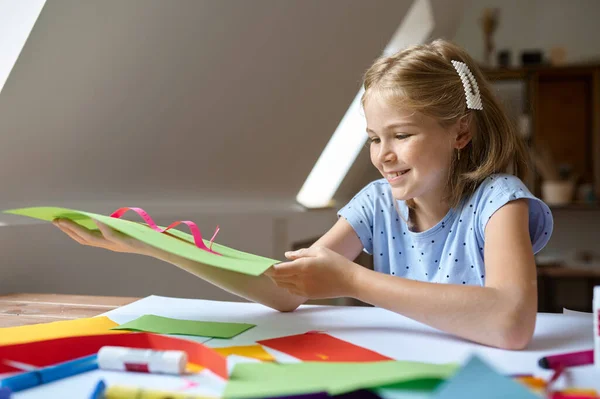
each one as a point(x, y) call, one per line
point(58, 329)
point(252, 351)
point(193, 368)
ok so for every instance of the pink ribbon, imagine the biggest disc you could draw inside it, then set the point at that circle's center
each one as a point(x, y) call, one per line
point(193, 228)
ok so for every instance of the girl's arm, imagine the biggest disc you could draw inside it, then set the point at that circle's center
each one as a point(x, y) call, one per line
point(259, 289)
point(500, 314)
point(340, 238)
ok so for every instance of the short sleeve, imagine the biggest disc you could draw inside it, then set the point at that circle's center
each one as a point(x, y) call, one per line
point(359, 213)
point(497, 190)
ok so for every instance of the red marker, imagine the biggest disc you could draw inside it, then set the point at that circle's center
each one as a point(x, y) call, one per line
point(567, 360)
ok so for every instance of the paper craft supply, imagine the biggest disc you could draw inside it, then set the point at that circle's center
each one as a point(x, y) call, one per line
point(44, 353)
point(571, 359)
point(193, 227)
point(596, 321)
point(30, 379)
point(166, 325)
point(131, 392)
point(98, 392)
point(253, 380)
point(314, 395)
point(532, 382)
point(476, 380)
point(175, 241)
point(568, 395)
point(141, 360)
point(125, 392)
point(251, 351)
point(57, 329)
point(318, 346)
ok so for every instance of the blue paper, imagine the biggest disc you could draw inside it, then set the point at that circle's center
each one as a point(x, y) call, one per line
point(477, 380)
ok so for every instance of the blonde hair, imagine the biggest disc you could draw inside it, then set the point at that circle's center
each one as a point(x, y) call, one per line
point(423, 79)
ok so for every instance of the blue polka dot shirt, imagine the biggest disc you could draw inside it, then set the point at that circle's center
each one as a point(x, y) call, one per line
point(452, 250)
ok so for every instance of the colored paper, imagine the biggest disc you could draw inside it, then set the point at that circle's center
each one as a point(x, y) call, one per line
point(322, 347)
point(47, 352)
point(250, 380)
point(131, 392)
point(477, 380)
point(57, 329)
point(196, 234)
point(251, 351)
point(167, 325)
point(175, 241)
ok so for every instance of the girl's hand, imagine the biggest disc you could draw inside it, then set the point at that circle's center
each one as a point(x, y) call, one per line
point(315, 273)
point(106, 238)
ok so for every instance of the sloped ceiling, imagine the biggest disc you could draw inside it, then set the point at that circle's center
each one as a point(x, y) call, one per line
point(189, 99)
point(193, 100)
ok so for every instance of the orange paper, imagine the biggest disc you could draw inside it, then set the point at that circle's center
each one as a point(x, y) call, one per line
point(57, 329)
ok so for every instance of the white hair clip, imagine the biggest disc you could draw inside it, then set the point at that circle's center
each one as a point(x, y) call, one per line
point(470, 85)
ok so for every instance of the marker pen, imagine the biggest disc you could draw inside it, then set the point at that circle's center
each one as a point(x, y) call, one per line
point(567, 360)
point(44, 375)
point(597, 326)
point(142, 360)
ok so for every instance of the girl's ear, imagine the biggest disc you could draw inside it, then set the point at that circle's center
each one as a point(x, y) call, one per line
point(464, 132)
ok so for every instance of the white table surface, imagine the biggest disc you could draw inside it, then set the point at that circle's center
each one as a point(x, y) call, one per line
point(383, 331)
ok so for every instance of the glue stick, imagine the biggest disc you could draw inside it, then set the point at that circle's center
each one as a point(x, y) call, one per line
point(597, 326)
point(142, 360)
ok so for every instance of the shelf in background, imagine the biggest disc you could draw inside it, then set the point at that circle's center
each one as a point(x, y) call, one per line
point(576, 207)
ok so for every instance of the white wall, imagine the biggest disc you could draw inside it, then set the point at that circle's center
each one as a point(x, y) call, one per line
point(213, 111)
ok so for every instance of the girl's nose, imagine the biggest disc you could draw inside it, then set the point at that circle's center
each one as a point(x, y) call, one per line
point(386, 154)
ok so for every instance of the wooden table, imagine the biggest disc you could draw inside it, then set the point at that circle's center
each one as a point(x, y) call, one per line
point(22, 309)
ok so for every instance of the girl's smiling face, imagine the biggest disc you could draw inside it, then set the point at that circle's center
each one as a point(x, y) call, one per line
point(411, 150)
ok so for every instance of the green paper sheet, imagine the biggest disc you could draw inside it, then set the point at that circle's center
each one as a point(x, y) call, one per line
point(250, 380)
point(166, 325)
point(174, 241)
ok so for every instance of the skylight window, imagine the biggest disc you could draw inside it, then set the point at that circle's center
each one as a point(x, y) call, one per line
point(350, 136)
point(17, 18)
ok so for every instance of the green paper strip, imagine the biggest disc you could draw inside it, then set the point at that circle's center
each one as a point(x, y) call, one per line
point(250, 380)
point(166, 325)
point(177, 243)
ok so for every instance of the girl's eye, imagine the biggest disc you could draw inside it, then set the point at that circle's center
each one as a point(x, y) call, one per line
point(402, 136)
point(373, 140)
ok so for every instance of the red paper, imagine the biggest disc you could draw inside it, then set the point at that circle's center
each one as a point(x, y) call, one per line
point(52, 351)
point(321, 347)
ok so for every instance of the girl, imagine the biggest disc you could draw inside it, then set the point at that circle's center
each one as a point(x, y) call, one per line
point(445, 211)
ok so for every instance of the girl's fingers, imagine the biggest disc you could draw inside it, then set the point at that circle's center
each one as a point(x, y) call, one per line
point(287, 269)
point(107, 232)
point(285, 280)
point(286, 285)
point(79, 234)
point(68, 231)
point(72, 235)
point(297, 292)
